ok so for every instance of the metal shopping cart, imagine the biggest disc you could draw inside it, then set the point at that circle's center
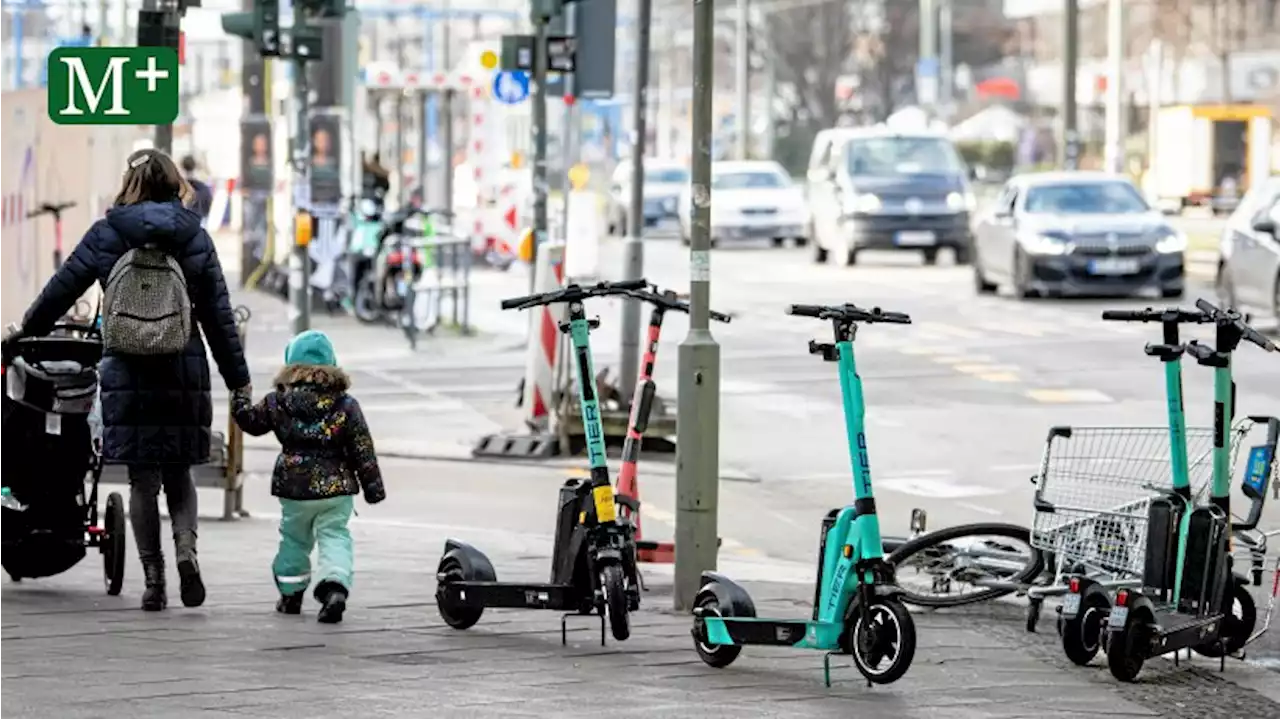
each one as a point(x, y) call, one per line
point(1093, 493)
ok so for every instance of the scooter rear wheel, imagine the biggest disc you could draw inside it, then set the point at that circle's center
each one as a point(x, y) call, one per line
point(883, 641)
point(616, 604)
point(1127, 649)
point(1082, 634)
point(718, 656)
point(458, 617)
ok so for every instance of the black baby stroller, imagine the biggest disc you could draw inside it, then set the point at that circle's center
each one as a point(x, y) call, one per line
point(50, 387)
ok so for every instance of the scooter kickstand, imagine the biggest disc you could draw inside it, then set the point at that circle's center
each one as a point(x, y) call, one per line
point(564, 632)
point(826, 669)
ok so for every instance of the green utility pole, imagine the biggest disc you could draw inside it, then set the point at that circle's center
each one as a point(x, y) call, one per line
point(698, 389)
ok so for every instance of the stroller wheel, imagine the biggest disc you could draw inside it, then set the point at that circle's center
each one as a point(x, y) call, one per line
point(113, 547)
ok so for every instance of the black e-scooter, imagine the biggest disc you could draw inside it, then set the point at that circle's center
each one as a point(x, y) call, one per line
point(1187, 581)
point(593, 563)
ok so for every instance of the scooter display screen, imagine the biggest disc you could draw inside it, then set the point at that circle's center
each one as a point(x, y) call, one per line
point(1256, 473)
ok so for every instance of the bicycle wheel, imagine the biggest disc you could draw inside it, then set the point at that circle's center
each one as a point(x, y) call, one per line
point(990, 560)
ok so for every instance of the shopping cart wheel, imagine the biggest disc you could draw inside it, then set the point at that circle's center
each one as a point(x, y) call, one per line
point(1033, 614)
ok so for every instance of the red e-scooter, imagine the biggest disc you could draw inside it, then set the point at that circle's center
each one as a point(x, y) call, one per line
point(56, 210)
point(628, 488)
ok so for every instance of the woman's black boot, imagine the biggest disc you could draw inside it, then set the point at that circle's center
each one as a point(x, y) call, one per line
point(190, 585)
point(153, 597)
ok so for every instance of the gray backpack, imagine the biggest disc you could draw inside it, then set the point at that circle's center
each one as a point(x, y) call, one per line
point(145, 308)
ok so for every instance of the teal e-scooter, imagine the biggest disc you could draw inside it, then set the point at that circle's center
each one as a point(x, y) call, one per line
point(856, 610)
point(1187, 574)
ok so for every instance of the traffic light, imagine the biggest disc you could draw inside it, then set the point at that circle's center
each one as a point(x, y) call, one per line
point(324, 8)
point(261, 27)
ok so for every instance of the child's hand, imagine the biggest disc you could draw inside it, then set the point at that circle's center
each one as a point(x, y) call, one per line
point(375, 492)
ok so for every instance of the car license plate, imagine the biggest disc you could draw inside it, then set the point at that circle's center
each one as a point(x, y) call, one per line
point(1070, 605)
point(762, 231)
point(915, 238)
point(1118, 617)
point(1113, 266)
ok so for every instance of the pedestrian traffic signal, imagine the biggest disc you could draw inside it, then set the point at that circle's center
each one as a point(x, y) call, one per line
point(261, 27)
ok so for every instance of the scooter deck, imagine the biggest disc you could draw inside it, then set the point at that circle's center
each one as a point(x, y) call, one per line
point(506, 595)
point(1179, 631)
point(799, 633)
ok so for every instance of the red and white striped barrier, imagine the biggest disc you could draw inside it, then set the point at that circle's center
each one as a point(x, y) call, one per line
point(544, 339)
point(382, 76)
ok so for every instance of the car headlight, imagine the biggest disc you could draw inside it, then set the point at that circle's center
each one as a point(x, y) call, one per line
point(1171, 243)
point(863, 204)
point(958, 202)
point(1038, 244)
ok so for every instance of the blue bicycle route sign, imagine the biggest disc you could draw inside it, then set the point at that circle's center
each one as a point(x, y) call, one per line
point(511, 87)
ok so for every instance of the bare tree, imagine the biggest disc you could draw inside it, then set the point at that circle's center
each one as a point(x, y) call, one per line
point(811, 47)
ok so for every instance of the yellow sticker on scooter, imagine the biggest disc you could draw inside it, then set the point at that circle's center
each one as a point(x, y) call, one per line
point(606, 510)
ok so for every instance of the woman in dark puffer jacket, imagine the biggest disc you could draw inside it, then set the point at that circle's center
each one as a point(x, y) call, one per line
point(156, 410)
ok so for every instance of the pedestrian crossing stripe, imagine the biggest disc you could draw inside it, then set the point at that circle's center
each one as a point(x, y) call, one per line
point(1069, 396)
point(962, 359)
point(999, 377)
point(983, 368)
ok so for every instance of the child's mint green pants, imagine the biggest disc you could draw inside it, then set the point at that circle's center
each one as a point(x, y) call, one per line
point(319, 523)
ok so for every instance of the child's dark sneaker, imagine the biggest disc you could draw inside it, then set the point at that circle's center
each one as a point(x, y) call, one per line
point(335, 603)
point(290, 603)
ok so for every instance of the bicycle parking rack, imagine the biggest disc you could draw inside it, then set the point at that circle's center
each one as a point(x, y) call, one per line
point(225, 469)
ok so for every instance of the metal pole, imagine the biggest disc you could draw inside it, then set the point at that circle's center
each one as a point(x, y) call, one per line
point(446, 141)
point(741, 82)
point(539, 136)
point(927, 92)
point(698, 389)
point(945, 64)
point(1115, 87)
point(300, 262)
point(567, 148)
point(770, 92)
point(397, 164)
point(103, 29)
point(19, 32)
point(1070, 59)
point(633, 246)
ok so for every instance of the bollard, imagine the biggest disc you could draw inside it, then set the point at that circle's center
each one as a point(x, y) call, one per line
point(233, 470)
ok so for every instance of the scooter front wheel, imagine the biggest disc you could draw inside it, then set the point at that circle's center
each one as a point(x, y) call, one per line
point(718, 656)
point(883, 641)
point(614, 586)
point(458, 617)
point(1240, 616)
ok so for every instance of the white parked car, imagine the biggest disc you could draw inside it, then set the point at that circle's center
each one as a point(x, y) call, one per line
point(751, 200)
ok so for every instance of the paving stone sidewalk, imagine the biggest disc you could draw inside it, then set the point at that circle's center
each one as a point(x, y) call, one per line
point(71, 652)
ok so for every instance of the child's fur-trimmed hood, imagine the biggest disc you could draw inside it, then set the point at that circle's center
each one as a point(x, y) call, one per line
point(320, 376)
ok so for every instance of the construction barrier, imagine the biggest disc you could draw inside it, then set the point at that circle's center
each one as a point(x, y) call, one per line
point(540, 393)
point(544, 344)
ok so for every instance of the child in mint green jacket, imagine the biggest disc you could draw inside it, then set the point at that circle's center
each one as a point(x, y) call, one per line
point(326, 457)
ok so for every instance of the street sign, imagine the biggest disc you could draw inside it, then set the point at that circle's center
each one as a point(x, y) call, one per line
point(927, 80)
point(511, 87)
